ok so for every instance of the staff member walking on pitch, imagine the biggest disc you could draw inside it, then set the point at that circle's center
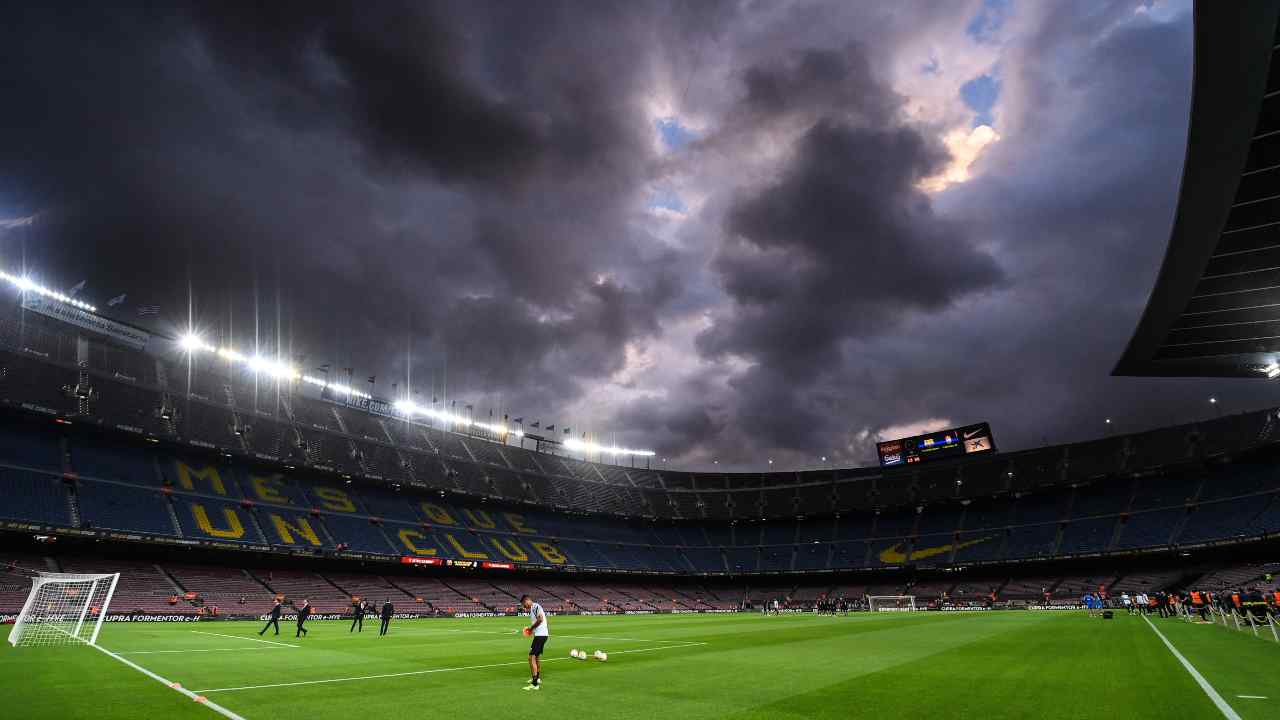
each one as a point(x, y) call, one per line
point(303, 613)
point(273, 618)
point(387, 611)
point(357, 615)
point(540, 631)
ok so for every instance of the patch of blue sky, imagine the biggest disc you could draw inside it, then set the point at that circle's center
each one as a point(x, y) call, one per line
point(667, 199)
point(980, 95)
point(674, 135)
point(989, 20)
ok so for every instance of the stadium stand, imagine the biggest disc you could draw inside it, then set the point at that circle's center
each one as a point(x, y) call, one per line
point(140, 444)
point(233, 589)
point(143, 587)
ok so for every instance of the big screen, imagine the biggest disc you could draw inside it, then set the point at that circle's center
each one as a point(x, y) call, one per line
point(939, 445)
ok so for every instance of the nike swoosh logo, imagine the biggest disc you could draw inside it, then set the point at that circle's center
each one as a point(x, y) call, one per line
point(971, 434)
point(894, 555)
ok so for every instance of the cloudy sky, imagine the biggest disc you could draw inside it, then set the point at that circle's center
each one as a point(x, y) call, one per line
point(726, 231)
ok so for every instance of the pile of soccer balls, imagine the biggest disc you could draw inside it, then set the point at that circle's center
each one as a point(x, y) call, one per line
point(582, 655)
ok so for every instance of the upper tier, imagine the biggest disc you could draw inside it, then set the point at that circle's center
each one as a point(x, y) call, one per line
point(45, 368)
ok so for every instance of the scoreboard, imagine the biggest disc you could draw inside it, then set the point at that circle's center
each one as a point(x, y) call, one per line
point(956, 442)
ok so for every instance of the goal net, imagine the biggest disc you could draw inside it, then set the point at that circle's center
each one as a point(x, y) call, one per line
point(891, 603)
point(63, 609)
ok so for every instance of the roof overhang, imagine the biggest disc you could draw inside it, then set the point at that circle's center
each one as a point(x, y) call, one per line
point(1215, 307)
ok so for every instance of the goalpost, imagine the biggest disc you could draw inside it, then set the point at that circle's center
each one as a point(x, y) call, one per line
point(64, 609)
point(891, 603)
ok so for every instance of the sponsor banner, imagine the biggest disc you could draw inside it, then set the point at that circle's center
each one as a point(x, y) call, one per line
point(488, 565)
point(121, 333)
point(954, 608)
point(152, 618)
point(411, 560)
point(708, 611)
point(1055, 607)
point(293, 617)
point(376, 406)
point(11, 619)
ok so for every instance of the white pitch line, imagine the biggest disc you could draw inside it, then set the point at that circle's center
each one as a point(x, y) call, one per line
point(202, 650)
point(241, 637)
point(1226, 709)
point(1253, 697)
point(425, 672)
point(172, 685)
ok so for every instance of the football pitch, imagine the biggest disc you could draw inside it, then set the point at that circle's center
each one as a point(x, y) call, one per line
point(887, 665)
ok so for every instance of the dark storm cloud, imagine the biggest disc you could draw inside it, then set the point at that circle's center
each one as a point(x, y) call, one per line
point(467, 183)
point(841, 247)
point(845, 243)
point(447, 177)
point(389, 73)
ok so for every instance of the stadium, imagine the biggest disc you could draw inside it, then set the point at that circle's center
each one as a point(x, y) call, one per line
point(191, 528)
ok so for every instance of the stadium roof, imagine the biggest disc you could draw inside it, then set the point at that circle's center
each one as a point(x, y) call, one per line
point(1215, 308)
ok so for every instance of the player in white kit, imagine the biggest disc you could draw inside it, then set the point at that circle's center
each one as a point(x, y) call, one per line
point(540, 631)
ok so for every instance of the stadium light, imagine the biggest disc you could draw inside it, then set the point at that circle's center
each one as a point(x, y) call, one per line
point(337, 388)
point(274, 368)
point(575, 445)
point(26, 284)
point(192, 343)
point(1272, 371)
point(409, 409)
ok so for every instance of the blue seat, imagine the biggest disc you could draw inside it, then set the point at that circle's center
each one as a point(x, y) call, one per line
point(119, 507)
point(34, 497)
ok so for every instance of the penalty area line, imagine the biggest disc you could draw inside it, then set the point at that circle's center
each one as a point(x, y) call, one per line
point(241, 637)
point(1226, 709)
point(430, 671)
point(172, 685)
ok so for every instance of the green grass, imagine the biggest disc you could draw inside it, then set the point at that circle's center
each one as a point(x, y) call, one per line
point(922, 665)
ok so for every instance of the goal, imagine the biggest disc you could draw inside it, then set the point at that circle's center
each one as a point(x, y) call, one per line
point(891, 603)
point(63, 609)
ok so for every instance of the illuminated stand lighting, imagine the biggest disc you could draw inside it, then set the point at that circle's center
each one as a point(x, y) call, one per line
point(573, 445)
point(410, 409)
point(192, 343)
point(28, 285)
point(1272, 371)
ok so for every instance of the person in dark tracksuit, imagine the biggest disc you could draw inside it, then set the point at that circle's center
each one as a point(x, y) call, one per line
point(357, 616)
point(387, 611)
point(273, 618)
point(304, 612)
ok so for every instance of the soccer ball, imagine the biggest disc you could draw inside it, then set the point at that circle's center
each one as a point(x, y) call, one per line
point(601, 655)
point(573, 653)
